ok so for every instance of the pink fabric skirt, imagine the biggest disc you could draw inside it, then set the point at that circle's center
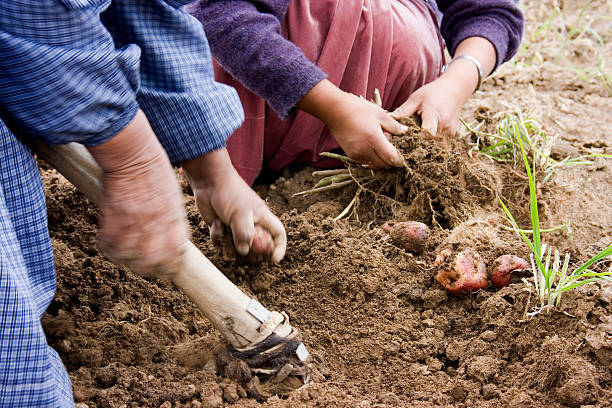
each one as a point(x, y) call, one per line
point(390, 45)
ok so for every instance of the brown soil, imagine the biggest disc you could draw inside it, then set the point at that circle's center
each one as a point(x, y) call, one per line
point(389, 335)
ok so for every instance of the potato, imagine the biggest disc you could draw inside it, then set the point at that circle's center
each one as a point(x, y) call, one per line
point(388, 226)
point(461, 272)
point(409, 235)
point(262, 246)
point(503, 267)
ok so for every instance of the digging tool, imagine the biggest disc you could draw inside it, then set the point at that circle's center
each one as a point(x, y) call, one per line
point(261, 343)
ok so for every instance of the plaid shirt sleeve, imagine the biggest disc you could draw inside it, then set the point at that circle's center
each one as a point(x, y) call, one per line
point(61, 78)
point(69, 73)
point(190, 112)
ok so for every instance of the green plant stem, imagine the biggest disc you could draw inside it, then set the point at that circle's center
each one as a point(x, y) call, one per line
point(325, 173)
point(340, 157)
point(325, 188)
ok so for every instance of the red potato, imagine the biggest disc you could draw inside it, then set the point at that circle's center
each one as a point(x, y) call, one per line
point(410, 235)
point(503, 267)
point(461, 272)
point(262, 242)
point(262, 246)
point(388, 226)
point(261, 249)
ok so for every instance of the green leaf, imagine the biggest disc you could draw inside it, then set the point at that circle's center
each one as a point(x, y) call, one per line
point(603, 254)
point(581, 283)
point(520, 231)
point(533, 204)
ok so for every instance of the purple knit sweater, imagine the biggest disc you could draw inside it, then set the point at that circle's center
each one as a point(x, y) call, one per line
point(245, 39)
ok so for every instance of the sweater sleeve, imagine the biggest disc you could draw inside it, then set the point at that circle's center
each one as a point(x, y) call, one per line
point(245, 38)
point(499, 21)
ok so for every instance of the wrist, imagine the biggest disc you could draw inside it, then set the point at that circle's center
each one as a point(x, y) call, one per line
point(477, 66)
point(209, 169)
point(461, 79)
point(322, 101)
point(134, 146)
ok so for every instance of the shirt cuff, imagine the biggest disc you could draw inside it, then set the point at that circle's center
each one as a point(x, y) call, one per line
point(117, 125)
point(190, 125)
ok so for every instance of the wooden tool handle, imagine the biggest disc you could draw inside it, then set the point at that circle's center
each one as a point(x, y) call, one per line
point(222, 302)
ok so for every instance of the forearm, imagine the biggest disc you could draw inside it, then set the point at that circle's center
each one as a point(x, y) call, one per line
point(247, 41)
point(322, 101)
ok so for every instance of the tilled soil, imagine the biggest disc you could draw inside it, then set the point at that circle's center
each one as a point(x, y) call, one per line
point(389, 335)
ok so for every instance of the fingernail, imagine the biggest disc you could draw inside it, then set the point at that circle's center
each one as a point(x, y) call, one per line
point(405, 129)
point(398, 161)
point(243, 249)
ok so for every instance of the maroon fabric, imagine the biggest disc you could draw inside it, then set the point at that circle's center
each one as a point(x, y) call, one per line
point(390, 45)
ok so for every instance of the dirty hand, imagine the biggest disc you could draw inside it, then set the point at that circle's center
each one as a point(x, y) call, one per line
point(438, 103)
point(225, 199)
point(143, 223)
point(358, 125)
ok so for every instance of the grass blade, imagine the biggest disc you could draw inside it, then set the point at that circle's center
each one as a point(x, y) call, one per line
point(583, 282)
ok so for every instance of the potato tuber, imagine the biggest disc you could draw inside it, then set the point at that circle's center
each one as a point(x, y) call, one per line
point(388, 226)
point(461, 272)
point(410, 235)
point(503, 266)
point(262, 246)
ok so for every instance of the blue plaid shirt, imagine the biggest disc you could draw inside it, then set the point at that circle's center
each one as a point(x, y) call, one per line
point(78, 70)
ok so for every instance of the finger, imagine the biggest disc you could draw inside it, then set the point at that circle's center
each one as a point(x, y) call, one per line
point(275, 227)
point(407, 109)
point(430, 121)
point(392, 126)
point(217, 231)
point(118, 248)
point(448, 131)
point(455, 128)
point(387, 153)
point(368, 159)
point(243, 230)
point(205, 207)
point(154, 252)
point(206, 211)
point(221, 237)
point(374, 161)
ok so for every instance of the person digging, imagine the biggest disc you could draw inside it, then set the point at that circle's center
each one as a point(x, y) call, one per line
point(264, 353)
point(133, 82)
